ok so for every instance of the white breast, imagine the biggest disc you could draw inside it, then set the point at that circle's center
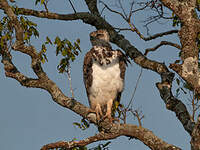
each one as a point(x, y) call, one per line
point(106, 82)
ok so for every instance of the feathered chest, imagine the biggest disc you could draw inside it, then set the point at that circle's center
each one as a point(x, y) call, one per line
point(106, 79)
point(104, 56)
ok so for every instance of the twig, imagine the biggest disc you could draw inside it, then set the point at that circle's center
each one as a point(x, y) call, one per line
point(45, 5)
point(139, 118)
point(161, 44)
point(130, 13)
point(135, 89)
point(106, 6)
point(146, 5)
point(122, 8)
point(72, 6)
point(68, 71)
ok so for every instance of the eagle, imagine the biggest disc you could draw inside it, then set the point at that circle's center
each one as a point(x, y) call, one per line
point(103, 74)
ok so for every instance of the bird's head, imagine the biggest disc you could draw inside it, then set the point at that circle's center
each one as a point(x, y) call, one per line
point(99, 35)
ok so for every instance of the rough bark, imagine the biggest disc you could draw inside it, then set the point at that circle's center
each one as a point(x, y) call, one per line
point(130, 50)
point(189, 55)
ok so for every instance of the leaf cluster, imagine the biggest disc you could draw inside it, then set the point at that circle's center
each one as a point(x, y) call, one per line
point(176, 21)
point(42, 53)
point(29, 29)
point(68, 50)
point(6, 31)
point(83, 125)
point(117, 108)
point(101, 146)
point(41, 2)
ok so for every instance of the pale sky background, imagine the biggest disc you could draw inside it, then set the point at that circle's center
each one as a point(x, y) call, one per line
point(29, 118)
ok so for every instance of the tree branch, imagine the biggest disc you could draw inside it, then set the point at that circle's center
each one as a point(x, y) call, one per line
point(188, 70)
point(131, 51)
point(92, 6)
point(161, 44)
point(116, 38)
point(116, 130)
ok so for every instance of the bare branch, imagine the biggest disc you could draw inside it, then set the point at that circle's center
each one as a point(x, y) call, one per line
point(142, 8)
point(161, 44)
point(130, 50)
point(134, 29)
point(72, 6)
point(160, 35)
point(133, 94)
point(106, 6)
point(120, 5)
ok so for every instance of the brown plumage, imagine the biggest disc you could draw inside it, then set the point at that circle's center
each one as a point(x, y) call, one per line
point(103, 73)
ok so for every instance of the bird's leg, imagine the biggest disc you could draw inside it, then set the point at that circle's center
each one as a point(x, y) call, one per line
point(109, 109)
point(96, 108)
point(98, 111)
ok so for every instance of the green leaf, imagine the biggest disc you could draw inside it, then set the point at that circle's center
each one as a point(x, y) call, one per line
point(78, 41)
point(42, 1)
point(22, 20)
point(177, 81)
point(105, 145)
point(187, 86)
point(73, 57)
point(77, 124)
point(35, 32)
point(85, 123)
point(1, 26)
point(26, 36)
point(57, 40)
point(36, 2)
point(44, 49)
point(77, 46)
point(45, 57)
point(43, 60)
point(2, 41)
point(48, 40)
point(64, 52)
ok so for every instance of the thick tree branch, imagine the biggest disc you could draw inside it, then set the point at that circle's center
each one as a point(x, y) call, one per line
point(116, 38)
point(18, 29)
point(131, 51)
point(173, 103)
point(12, 72)
point(92, 6)
point(116, 130)
point(188, 70)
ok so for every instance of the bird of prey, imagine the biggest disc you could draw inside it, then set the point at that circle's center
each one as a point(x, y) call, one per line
point(103, 73)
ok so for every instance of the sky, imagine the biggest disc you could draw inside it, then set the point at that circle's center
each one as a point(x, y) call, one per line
point(29, 118)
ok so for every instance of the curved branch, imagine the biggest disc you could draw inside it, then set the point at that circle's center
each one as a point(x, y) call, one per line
point(161, 44)
point(116, 130)
point(8, 10)
point(146, 136)
point(115, 38)
point(160, 35)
